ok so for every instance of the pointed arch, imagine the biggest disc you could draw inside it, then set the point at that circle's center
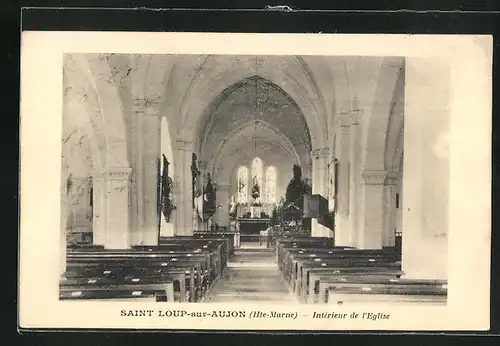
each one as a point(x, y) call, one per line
point(301, 90)
point(97, 70)
point(390, 81)
point(228, 142)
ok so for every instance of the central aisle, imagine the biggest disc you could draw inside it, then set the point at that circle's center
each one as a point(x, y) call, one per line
point(251, 275)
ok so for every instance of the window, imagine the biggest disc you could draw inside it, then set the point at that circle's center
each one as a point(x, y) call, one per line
point(271, 184)
point(257, 171)
point(242, 184)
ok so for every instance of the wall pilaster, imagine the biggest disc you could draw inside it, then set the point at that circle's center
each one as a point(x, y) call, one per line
point(343, 228)
point(320, 158)
point(116, 181)
point(183, 219)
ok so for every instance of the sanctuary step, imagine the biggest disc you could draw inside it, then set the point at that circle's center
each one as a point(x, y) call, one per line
point(251, 275)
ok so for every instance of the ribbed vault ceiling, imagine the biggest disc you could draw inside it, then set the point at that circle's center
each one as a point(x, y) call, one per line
point(254, 118)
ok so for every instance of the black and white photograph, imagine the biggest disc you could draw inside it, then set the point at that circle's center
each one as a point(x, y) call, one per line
point(322, 182)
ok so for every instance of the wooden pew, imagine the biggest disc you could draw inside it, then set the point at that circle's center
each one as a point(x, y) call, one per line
point(226, 250)
point(213, 251)
point(283, 244)
point(294, 253)
point(303, 265)
point(291, 260)
point(160, 288)
point(310, 283)
point(213, 248)
point(230, 236)
point(382, 290)
point(183, 276)
point(179, 250)
point(188, 269)
point(192, 262)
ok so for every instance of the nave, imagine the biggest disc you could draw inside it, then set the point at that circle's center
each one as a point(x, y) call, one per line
point(174, 165)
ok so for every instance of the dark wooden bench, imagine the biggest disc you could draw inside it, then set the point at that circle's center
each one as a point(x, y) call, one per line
point(216, 265)
point(291, 261)
point(102, 287)
point(302, 266)
point(382, 290)
point(152, 292)
point(310, 283)
point(180, 249)
point(189, 269)
point(182, 275)
point(204, 243)
point(194, 263)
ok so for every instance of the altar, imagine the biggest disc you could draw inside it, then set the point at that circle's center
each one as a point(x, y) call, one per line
point(250, 228)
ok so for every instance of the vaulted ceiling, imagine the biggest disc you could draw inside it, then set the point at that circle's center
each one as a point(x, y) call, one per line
point(218, 104)
point(254, 117)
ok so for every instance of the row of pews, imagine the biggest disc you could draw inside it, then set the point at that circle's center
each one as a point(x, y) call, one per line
point(179, 269)
point(319, 272)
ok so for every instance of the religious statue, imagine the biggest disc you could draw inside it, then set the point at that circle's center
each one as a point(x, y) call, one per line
point(209, 200)
point(195, 174)
point(255, 189)
point(233, 209)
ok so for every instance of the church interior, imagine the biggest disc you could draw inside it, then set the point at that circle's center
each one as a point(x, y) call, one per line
point(281, 179)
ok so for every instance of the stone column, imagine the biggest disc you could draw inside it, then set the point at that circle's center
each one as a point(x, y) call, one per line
point(426, 169)
point(319, 186)
point(137, 177)
point(116, 205)
point(373, 208)
point(99, 231)
point(183, 220)
point(355, 178)
point(150, 160)
point(390, 213)
point(223, 199)
point(343, 229)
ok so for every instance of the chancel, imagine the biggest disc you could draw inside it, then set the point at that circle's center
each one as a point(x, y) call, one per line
point(299, 179)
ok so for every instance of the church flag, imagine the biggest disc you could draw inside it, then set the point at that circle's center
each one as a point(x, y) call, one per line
point(209, 203)
point(166, 183)
point(158, 189)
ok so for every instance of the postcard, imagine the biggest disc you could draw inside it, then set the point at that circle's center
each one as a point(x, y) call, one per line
point(255, 182)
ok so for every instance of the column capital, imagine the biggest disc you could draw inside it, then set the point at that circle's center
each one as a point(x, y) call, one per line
point(182, 144)
point(320, 152)
point(392, 178)
point(115, 173)
point(355, 117)
point(343, 119)
point(375, 177)
point(202, 165)
point(175, 184)
point(223, 187)
point(146, 105)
